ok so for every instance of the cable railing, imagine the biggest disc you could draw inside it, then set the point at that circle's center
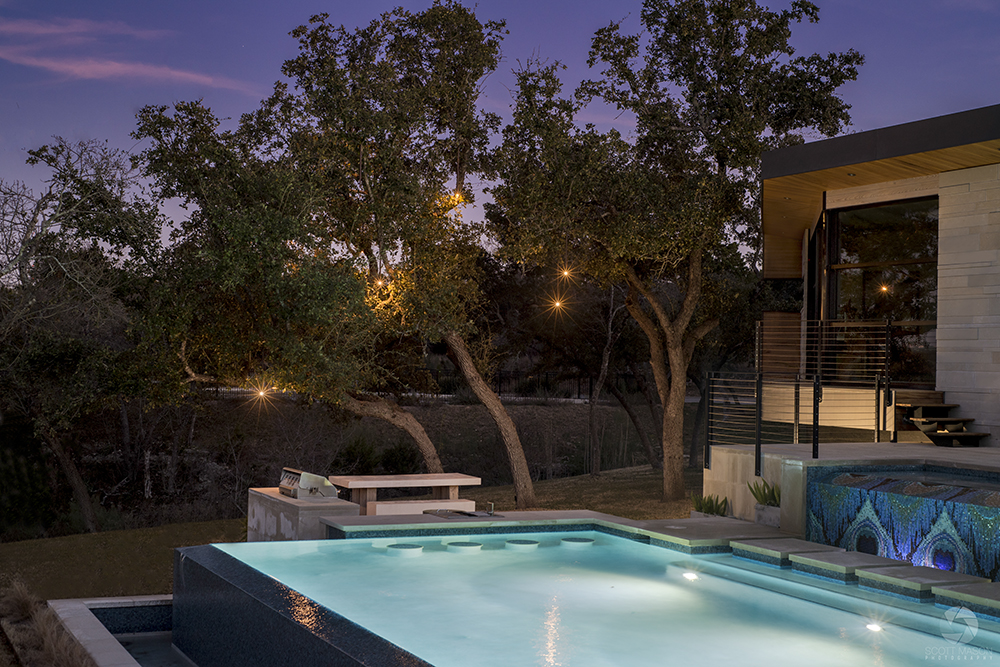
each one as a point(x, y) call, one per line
point(842, 351)
point(814, 382)
point(757, 409)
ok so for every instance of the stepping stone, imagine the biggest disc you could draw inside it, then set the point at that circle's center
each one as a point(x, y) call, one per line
point(840, 566)
point(915, 583)
point(706, 535)
point(983, 598)
point(776, 552)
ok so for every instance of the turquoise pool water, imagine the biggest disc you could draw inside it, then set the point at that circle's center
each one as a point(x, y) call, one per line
point(611, 601)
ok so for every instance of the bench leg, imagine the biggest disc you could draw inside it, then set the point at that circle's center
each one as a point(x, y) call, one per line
point(362, 497)
point(445, 492)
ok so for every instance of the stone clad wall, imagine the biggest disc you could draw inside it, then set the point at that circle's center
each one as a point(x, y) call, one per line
point(968, 330)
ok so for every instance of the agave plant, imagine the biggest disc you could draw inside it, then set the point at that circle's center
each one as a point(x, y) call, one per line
point(710, 505)
point(765, 494)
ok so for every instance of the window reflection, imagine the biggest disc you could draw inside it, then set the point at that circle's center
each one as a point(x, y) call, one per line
point(884, 264)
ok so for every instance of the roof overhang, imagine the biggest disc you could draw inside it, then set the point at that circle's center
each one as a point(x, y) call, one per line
point(795, 177)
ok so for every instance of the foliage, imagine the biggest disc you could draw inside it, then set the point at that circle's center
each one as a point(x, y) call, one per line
point(714, 84)
point(73, 257)
point(241, 292)
point(357, 458)
point(710, 505)
point(765, 494)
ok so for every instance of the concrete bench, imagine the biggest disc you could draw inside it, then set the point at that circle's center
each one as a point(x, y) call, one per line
point(444, 488)
point(387, 507)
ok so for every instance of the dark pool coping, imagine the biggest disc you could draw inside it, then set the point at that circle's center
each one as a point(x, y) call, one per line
point(82, 617)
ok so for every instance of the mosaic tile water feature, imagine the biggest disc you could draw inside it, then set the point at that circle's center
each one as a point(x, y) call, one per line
point(928, 515)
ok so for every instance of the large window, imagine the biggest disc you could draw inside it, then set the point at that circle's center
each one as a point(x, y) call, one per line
point(883, 263)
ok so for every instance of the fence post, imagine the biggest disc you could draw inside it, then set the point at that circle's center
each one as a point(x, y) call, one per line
point(878, 426)
point(795, 419)
point(757, 427)
point(887, 400)
point(706, 457)
point(817, 397)
point(758, 352)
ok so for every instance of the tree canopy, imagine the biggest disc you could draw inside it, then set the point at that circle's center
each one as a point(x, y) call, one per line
point(710, 85)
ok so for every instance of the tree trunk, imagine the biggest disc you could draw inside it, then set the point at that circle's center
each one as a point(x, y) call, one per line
point(595, 394)
point(382, 409)
point(524, 491)
point(647, 445)
point(652, 401)
point(76, 483)
point(672, 342)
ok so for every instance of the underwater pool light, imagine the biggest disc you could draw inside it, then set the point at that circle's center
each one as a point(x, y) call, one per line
point(690, 576)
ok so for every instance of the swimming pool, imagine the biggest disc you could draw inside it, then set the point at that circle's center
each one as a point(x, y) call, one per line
point(581, 598)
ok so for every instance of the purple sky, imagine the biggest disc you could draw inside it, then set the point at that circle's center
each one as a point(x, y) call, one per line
point(81, 70)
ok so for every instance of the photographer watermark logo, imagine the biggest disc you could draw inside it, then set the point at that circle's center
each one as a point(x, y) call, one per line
point(958, 627)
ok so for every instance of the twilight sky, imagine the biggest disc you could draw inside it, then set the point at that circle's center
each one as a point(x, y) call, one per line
point(81, 70)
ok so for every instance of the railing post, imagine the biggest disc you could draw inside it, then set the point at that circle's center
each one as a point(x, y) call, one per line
point(759, 346)
point(757, 427)
point(795, 419)
point(817, 398)
point(878, 426)
point(885, 348)
point(709, 380)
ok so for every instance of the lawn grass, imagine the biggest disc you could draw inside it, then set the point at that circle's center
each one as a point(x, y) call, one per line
point(632, 493)
point(140, 562)
point(118, 562)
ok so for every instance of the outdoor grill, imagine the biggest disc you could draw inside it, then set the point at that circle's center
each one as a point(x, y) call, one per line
point(298, 484)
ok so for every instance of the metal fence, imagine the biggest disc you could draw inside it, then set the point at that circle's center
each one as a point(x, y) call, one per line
point(815, 382)
point(522, 384)
point(509, 384)
point(757, 409)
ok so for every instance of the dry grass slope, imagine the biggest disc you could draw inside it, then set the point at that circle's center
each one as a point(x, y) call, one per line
point(33, 632)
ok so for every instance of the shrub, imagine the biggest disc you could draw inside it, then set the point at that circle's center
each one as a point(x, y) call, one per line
point(765, 494)
point(357, 458)
point(710, 505)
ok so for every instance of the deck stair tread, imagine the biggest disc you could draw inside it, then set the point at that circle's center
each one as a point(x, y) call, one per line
point(943, 420)
point(956, 438)
point(927, 405)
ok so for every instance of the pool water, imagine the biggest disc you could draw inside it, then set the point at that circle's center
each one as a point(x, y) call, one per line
point(611, 601)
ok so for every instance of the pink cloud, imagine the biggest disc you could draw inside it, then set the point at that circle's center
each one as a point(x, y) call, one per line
point(92, 68)
point(74, 27)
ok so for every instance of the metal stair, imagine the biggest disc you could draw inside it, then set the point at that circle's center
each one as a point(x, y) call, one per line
point(932, 419)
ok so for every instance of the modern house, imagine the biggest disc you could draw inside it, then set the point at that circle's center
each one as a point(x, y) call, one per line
point(895, 236)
